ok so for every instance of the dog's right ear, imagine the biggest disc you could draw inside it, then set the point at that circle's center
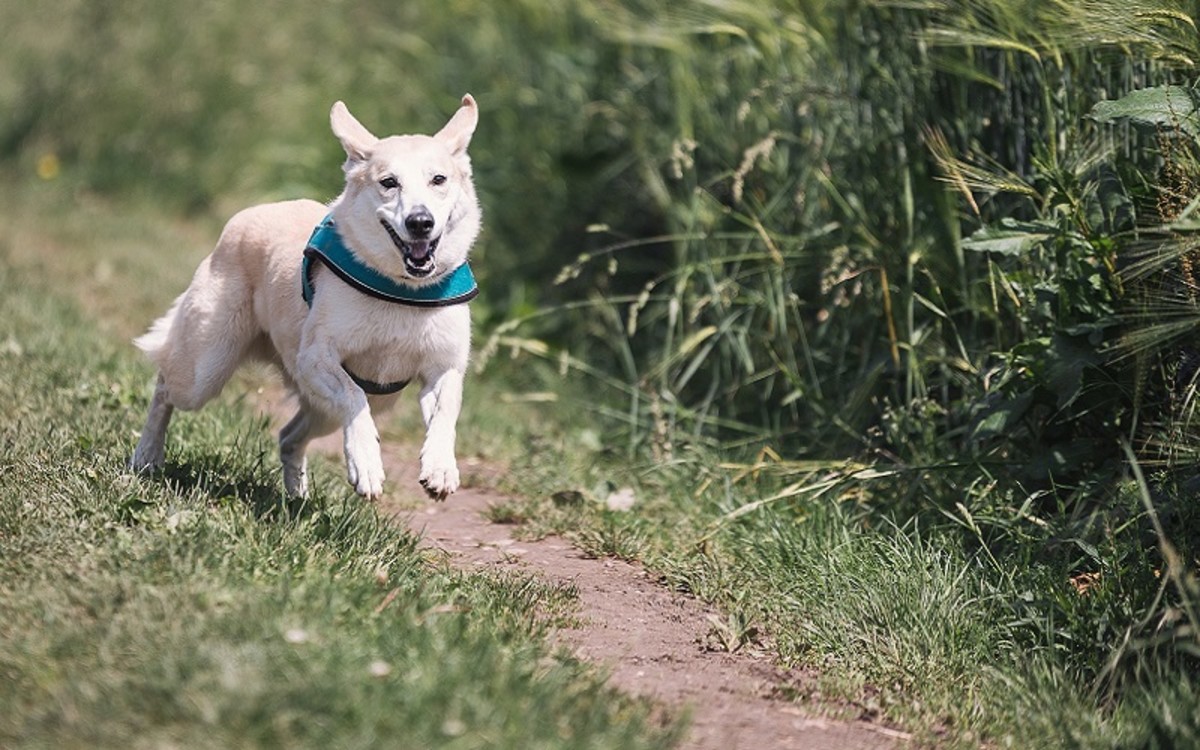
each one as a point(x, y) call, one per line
point(356, 139)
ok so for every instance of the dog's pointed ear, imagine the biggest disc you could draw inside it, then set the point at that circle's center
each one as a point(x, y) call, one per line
point(457, 133)
point(355, 138)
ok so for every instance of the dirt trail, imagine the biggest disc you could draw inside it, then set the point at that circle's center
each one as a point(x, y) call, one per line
point(650, 638)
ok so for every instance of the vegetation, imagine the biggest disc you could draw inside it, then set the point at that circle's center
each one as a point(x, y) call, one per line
point(891, 305)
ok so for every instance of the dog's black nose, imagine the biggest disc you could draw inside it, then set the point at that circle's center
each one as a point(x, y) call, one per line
point(419, 223)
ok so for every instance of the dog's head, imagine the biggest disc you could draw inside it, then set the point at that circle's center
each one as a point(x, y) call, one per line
point(409, 207)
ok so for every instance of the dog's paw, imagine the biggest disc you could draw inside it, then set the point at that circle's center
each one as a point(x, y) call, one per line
point(440, 479)
point(295, 478)
point(364, 463)
point(144, 462)
point(365, 472)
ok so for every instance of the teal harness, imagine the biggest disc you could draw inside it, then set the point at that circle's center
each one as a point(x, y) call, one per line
point(326, 245)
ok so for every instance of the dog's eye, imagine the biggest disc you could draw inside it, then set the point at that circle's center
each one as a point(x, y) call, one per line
point(389, 183)
point(438, 179)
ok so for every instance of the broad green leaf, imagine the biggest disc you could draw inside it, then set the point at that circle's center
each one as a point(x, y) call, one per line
point(1066, 359)
point(1010, 238)
point(1169, 106)
point(1002, 417)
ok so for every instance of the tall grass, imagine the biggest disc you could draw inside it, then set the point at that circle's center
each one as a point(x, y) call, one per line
point(902, 261)
point(811, 272)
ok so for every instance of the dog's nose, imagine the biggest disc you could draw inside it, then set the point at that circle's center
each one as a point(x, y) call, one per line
point(419, 223)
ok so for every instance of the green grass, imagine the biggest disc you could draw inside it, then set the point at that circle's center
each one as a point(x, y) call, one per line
point(915, 623)
point(200, 609)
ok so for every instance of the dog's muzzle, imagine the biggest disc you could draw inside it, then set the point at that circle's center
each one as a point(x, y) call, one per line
point(417, 252)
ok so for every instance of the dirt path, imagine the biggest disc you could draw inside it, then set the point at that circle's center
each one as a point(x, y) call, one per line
point(651, 639)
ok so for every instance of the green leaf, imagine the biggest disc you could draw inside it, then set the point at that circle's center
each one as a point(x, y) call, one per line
point(1010, 238)
point(1170, 106)
point(694, 340)
point(1066, 360)
point(1002, 417)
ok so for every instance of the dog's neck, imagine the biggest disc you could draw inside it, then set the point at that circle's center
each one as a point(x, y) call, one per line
point(326, 245)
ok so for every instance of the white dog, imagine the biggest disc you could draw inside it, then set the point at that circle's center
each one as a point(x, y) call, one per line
point(351, 301)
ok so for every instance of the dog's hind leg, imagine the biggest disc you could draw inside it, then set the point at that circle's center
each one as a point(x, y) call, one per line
point(209, 339)
point(151, 448)
point(293, 444)
point(197, 345)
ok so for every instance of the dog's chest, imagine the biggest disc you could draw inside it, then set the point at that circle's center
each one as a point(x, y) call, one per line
point(387, 342)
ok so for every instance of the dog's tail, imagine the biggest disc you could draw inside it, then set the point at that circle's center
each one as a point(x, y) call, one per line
point(154, 342)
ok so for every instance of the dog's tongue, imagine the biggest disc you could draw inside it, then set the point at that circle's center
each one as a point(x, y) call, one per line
point(418, 250)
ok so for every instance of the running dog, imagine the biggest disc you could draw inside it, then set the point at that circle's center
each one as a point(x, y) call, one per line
point(351, 301)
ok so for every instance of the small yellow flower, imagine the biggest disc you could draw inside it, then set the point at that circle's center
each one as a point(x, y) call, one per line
point(48, 166)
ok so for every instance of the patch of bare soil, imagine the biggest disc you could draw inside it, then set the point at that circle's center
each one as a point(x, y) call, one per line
point(652, 640)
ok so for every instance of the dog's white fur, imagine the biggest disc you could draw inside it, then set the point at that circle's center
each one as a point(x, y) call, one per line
point(244, 302)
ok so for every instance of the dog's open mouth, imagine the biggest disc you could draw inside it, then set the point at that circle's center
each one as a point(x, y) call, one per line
point(418, 254)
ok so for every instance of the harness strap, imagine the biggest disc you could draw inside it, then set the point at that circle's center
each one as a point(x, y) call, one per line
point(326, 245)
point(371, 388)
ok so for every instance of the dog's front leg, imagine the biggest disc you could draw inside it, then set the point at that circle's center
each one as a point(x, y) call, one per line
point(329, 388)
point(441, 401)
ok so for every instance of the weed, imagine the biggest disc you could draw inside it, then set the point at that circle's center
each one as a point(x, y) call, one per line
point(505, 513)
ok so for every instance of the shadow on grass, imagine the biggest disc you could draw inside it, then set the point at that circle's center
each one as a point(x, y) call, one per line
point(246, 475)
point(236, 474)
point(256, 487)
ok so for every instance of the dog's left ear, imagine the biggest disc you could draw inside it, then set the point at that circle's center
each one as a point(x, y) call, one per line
point(457, 133)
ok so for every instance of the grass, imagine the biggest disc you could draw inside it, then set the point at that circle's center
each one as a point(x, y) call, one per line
point(916, 623)
point(200, 608)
